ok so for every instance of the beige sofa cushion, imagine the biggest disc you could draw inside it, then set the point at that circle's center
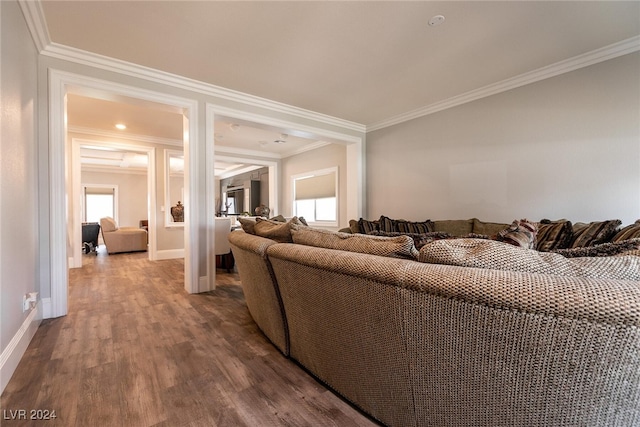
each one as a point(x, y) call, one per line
point(489, 254)
point(108, 224)
point(395, 247)
point(454, 227)
point(275, 230)
point(487, 228)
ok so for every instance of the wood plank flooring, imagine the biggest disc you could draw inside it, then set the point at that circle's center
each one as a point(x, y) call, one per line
point(137, 350)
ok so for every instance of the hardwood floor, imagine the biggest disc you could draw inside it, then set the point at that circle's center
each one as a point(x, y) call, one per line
point(137, 350)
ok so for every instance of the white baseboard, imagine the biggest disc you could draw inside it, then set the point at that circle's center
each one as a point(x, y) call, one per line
point(11, 355)
point(170, 254)
point(47, 310)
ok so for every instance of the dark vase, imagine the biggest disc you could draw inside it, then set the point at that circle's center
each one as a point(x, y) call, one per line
point(262, 210)
point(177, 212)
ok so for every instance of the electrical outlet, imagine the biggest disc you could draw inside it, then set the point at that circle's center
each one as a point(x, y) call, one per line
point(29, 301)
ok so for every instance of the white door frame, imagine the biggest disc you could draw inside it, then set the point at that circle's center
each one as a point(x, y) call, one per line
point(355, 173)
point(61, 83)
point(76, 144)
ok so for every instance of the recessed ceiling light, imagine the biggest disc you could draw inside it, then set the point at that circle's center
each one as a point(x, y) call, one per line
point(121, 126)
point(436, 20)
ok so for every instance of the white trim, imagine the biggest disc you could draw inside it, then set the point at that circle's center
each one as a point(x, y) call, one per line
point(57, 201)
point(209, 282)
point(34, 16)
point(151, 186)
point(59, 83)
point(169, 254)
point(355, 147)
point(37, 26)
point(167, 203)
point(113, 169)
point(590, 58)
point(127, 136)
point(91, 59)
point(16, 348)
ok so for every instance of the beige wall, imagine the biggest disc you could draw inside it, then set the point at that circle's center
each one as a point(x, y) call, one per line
point(565, 147)
point(321, 158)
point(132, 194)
point(18, 173)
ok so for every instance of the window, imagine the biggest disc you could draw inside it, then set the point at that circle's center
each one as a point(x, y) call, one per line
point(315, 196)
point(99, 202)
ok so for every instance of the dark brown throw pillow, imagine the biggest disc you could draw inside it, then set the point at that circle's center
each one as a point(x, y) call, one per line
point(594, 233)
point(387, 224)
point(629, 232)
point(415, 227)
point(367, 227)
point(554, 235)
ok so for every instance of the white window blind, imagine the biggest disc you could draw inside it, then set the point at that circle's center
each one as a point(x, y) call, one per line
point(315, 187)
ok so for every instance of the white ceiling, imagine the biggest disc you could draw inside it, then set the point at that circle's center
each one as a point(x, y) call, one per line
point(361, 61)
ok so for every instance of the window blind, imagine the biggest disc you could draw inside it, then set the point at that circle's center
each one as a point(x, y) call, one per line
point(316, 187)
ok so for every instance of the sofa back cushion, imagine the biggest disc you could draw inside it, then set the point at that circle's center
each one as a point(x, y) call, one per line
point(395, 247)
point(489, 254)
point(490, 229)
point(108, 224)
point(454, 227)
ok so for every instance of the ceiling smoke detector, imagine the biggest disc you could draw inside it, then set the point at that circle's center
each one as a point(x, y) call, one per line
point(436, 20)
point(282, 139)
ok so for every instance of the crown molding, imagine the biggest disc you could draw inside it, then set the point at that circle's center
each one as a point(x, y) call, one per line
point(121, 136)
point(113, 169)
point(67, 53)
point(590, 58)
point(222, 149)
point(36, 22)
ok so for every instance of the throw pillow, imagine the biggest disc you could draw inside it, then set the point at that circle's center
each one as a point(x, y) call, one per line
point(520, 233)
point(248, 225)
point(494, 255)
point(275, 230)
point(415, 227)
point(594, 233)
point(554, 235)
point(366, 226)
point(387, 224)
point(278, 218)
point(395, 247)
point(603, 249)
point(629, 232)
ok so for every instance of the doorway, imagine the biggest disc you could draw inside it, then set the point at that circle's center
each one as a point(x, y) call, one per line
point(60, 182)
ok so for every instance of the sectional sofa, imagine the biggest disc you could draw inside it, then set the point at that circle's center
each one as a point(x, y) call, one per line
point(413, 340)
